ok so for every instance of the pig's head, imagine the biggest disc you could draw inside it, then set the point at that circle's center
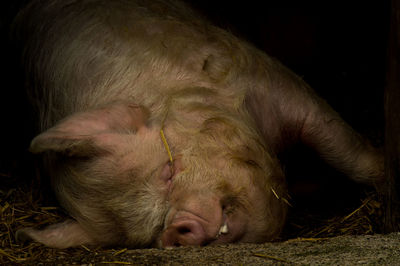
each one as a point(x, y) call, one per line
point(112, 173)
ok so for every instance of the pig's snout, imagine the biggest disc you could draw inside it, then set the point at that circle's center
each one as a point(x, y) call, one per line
point(186, 232)
point(197, 224)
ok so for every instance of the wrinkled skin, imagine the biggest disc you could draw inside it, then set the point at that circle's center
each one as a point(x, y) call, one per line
point(107, 76)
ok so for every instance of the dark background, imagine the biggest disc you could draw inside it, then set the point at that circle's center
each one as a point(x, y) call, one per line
point(338, 47)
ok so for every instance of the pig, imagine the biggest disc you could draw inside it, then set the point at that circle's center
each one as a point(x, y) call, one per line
point(158, 129)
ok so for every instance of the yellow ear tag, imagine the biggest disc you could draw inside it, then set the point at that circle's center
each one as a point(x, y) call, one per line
point(164, 140)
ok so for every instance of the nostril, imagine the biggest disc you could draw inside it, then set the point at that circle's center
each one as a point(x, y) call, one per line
point(183, 230)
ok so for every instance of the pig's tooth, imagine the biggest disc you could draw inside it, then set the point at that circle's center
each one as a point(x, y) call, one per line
point(223, 230)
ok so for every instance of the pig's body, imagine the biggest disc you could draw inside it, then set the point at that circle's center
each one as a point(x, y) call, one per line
point(110, 75)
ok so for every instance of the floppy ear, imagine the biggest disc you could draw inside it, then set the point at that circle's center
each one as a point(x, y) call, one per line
point(89, 132)
point(60, 235)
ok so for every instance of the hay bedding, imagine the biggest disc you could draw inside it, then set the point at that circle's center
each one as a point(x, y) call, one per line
point(25, 206)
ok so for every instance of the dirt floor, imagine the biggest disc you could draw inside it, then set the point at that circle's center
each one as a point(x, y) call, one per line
point(343, 250)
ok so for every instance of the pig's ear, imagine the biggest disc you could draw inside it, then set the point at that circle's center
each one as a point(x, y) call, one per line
point(61, 235)
point(91, 131)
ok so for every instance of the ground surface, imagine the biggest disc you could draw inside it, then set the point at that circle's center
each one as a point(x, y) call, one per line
point(343, 250)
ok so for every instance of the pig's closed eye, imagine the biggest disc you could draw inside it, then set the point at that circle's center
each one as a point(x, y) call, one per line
point(167, 173)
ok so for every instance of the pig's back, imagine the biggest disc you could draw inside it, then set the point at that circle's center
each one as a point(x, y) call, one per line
point(84, 54)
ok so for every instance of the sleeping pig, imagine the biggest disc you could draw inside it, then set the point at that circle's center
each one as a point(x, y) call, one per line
point(159, 129)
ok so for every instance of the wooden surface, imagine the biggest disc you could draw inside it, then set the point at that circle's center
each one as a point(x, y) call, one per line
point(392, 130)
